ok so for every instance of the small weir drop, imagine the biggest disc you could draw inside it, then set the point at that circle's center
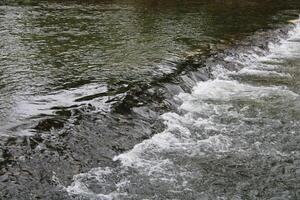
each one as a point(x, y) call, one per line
point(149, 99)
point(235, 136)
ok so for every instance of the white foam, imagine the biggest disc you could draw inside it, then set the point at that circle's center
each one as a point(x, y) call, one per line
point(226, 90)
point(188, 132)
point(263, 72)
point(287, 48)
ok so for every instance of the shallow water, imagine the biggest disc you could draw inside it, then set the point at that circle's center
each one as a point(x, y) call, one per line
point(233, 138)
point(54, 53)
point(233, 135)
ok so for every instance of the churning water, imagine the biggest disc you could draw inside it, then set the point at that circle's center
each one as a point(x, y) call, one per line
point(235, 136)
point(149, 99)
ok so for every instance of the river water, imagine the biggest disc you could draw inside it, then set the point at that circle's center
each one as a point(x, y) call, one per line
point(53, 54)
point(234, 137)
point(234, 134)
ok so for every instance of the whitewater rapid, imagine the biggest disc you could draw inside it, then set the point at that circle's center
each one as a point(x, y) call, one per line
point(235, 119)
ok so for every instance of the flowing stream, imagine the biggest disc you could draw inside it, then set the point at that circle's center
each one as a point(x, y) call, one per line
point(233, 137)
point(106, 100)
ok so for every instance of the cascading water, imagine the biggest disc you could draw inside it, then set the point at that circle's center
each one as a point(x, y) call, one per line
point(234, 137)
point(193, 99)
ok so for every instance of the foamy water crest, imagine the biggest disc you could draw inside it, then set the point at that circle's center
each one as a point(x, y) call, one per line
point(213, 121)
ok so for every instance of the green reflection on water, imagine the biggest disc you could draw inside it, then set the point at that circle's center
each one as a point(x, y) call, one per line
point(48, 46)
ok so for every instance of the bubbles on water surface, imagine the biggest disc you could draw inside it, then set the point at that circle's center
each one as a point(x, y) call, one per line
point(229, 140)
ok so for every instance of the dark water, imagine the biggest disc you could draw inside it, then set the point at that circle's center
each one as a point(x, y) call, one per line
point(66, 65)
point(55, 53)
